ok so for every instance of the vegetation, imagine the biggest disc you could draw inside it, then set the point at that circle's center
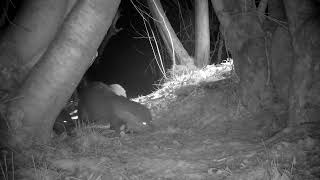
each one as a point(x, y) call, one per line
point(258, 119)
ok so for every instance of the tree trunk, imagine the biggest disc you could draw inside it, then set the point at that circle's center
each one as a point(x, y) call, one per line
point(245, 39)
point(57, 74)
point(276, 16)
point(219, 55)
point(304, 27)
point(163, 25)
point(34, 27)
point(276, 10)
point(41, 51)
point(202, 33)
point(262, 9)
point(167, 45)
point(281, 55)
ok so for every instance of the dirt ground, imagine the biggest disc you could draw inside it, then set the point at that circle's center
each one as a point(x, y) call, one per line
point(201, 132)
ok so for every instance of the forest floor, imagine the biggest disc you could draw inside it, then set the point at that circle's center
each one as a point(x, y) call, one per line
point(201, 132)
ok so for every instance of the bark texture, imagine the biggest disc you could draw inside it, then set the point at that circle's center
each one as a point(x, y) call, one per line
point(164, 26)
point(245, 39)
point(281, 55)
point(34, 27)
point(202, 33)
point(57, 74)
point(278, 64)
point(304, 26)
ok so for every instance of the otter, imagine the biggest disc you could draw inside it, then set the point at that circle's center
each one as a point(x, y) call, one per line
point(100, 104)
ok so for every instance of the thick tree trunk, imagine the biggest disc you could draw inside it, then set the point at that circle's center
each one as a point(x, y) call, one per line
point(202, 33)
point(34, 27)
point(304, 26)
point(281, 54)
point(281, 58)
point(276, 16)
point(57, 74)
point(163, 25)
point(245, 39)
point(41, 51)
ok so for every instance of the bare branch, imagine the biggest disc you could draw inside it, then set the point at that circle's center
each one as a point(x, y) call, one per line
point(166, 30)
